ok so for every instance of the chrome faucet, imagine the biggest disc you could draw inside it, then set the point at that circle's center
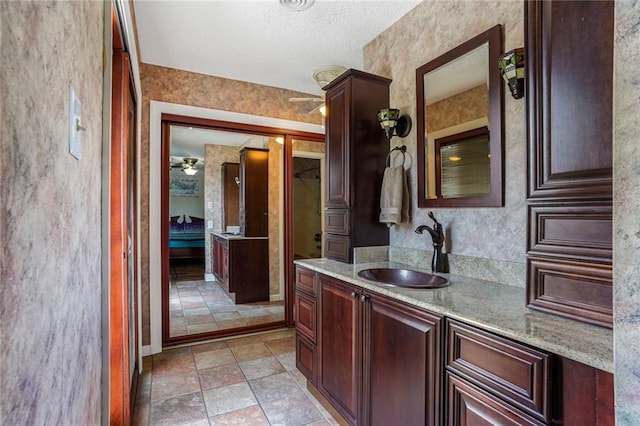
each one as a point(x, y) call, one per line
point(437, 235)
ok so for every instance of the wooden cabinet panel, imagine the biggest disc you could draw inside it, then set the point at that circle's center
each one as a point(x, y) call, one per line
point(340, 356)
point(570, 98)
point(337, 146)
point(306, 281)
point(306, 358)
point(402, 364)
point(230, 195)
point(337, 221)
point(254, 192)
point(585, 395)
point(569, 70)
point(518, 374)
point(470, 406)
point(356, 148)
point(581, 232)
point(579, 290)
point(338, 247)
point(306, 316)
point(244, 285)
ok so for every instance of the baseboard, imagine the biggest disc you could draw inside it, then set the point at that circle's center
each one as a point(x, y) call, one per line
point(209, 277)
point(146, 350)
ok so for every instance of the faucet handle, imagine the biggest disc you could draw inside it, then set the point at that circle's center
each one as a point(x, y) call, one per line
point(433, 218)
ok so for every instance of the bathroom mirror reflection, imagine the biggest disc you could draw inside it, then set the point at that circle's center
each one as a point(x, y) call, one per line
point(460, 130)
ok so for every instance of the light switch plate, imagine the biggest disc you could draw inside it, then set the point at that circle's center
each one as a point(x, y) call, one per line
point(75, 118)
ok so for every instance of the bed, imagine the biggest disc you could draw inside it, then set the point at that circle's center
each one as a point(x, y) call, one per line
point(186, 238)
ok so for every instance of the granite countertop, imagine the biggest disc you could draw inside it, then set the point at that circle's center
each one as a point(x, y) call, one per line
point(493, 307)
point(233, 236)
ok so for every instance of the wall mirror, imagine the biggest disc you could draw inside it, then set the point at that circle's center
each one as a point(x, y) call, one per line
point(460, 129)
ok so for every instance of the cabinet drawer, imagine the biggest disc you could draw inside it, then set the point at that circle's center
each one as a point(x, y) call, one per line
point(469, 405)
point(576, 290)
point(513, 372)
point(581, 232)
point(306, 358)
point(306, 316)
point(337, 247)
point(336, 221)
point(306, 281)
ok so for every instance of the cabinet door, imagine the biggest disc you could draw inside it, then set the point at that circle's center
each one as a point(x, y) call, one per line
point(337, 146)
point(470, 406)
point(570, 98)
point(402, 364)
point(339, 346)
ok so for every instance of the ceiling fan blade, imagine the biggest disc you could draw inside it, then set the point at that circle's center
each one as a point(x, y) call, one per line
point(306, 100)
point(316, 109)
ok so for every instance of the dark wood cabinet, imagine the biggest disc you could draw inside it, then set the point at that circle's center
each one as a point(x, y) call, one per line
point(340, 347)
point(244, 285)
point(569, 47)
point(379, 359)
point(513, 373)
point(493, 380)
point(254, 192)
point(306, 319)
point(230, 172)
point(356, 148)
point(402, 365)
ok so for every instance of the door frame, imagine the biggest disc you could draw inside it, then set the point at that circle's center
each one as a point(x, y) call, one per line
point(291, 130)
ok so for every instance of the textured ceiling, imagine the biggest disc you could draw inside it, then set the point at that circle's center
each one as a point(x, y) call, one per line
point(261, 41)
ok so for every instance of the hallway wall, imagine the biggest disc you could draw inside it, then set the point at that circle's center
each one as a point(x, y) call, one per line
point(187, 88)
point(50, 292)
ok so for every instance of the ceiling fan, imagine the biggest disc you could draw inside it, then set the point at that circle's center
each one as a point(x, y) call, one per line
point(189, 165)
point(323, 75)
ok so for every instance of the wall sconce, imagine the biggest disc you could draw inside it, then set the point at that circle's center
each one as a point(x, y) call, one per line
point(393, 123)
point(512, 69)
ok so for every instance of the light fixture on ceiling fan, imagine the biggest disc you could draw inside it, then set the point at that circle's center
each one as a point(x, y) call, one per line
point(323, 75)
point(189, 165)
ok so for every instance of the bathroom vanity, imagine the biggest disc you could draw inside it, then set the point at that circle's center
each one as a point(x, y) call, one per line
point(458, 354)
point(229, 265)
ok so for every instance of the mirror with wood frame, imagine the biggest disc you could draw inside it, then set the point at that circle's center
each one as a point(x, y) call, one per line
point(460, 125)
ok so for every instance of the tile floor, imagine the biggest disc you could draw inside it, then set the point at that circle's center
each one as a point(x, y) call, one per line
point(201, 306)
point(248, 380)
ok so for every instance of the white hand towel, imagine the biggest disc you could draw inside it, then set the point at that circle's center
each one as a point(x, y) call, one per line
point(394, 196)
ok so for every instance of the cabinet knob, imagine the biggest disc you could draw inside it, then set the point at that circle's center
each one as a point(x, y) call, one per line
point(363, 298)
point(353, 294)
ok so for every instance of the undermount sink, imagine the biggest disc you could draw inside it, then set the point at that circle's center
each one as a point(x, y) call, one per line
point(398, 277)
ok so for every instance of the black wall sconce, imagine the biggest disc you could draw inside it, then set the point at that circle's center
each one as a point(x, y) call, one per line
point(512, 70)
point(393, 123)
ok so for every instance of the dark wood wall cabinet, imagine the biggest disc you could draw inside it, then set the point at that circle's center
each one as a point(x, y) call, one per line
point(356, 148)
point(569, 47)
point(254, 192)
point(230, 172)
point(244, 285)
point(379, 361)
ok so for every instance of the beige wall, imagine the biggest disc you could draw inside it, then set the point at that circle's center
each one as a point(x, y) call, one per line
point(50, 224)
point(469, 105)
point(186, 88)
point(429, 30)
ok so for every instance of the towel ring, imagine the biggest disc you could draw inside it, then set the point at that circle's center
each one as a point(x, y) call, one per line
point(402, 149)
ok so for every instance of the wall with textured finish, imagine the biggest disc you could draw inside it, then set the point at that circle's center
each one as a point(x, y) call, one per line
point(50, 313)
point(187, 88)
point(626, 205)
point(429, 30)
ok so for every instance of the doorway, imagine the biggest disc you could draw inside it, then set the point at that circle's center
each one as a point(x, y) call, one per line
point(308, 207)
point(198, 303)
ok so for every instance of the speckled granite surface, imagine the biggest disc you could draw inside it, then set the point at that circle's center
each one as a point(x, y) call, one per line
point(493, 307)
point(626, 204)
